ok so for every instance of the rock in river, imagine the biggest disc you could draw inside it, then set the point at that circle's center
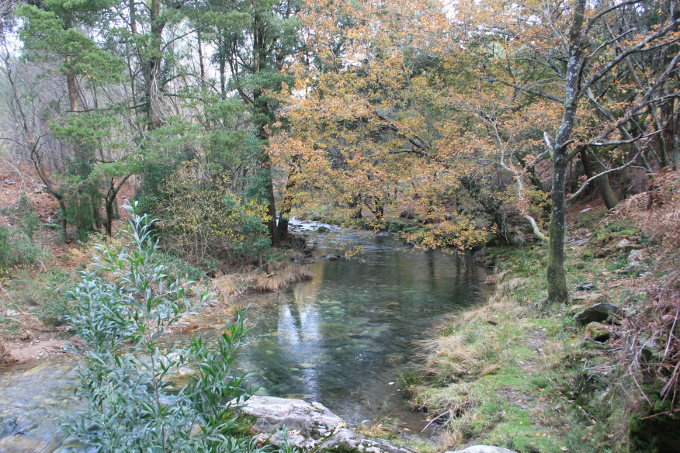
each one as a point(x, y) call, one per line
point(347, 440)
point(308, 426)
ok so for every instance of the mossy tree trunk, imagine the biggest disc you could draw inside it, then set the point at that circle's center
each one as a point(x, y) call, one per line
point(557, 282)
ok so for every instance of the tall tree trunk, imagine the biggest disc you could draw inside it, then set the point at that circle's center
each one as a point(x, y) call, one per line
point(557, 281)
point(72, 88)
point(150, 62)
point(286, 207)
point(262, 115)
point(201, 63)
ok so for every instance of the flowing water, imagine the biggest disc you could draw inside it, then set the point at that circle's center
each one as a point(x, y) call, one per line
point(339, 339)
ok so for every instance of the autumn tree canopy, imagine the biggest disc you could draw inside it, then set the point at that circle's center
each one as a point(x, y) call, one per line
point(455, 123)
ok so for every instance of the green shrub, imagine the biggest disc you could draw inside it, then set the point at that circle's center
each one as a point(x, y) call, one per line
point(23, 216)
point(204, 221)
point(16, 249)
point(123, 310)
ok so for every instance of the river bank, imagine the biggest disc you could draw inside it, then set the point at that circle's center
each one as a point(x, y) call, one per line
point(516, 373)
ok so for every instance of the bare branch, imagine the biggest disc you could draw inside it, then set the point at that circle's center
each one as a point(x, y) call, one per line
point(593, 178)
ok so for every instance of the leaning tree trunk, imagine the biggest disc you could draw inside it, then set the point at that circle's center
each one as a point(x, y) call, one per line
point(604, 186)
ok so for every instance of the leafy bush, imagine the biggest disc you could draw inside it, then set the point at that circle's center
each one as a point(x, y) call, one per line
point(16, 243)
point(123, 310)
point(205, 220)
point(23, 215)
point(16, 249)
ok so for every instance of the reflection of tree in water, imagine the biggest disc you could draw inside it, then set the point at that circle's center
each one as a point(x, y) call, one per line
point(339, 338)
point(298, 333)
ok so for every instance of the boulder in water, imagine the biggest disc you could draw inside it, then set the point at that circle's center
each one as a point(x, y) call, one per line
point(307, 423)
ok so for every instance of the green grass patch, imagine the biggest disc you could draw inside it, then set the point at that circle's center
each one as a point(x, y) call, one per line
point(511, 374)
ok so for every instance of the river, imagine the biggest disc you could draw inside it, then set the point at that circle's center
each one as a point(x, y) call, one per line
point(339, 339)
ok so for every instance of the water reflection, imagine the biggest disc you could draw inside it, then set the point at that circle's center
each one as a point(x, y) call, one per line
point(340, 338)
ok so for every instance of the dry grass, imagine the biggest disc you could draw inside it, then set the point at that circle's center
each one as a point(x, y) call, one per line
point(5, 356)
point(477, 340)
point(281, 278)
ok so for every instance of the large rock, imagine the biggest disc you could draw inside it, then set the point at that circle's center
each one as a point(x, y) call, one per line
point(588, 298)
point(18, 443)
point(483, 449)
point(600, 312)
point(347, 440)
point(634, 256)
point(307, 424)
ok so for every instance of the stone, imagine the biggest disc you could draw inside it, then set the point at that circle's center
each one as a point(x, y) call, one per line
point(624, 244)
point(586, 286)
point(330, 257)
point(634, 256)
point(483, 449)
point(600, 312)
point(573, 309)
point(179, 377)
point(323, 229)
point(347, 440)
point(307, 424)
point(589, 343)
point(589, 298)
point(598, 332)
point(18, 443)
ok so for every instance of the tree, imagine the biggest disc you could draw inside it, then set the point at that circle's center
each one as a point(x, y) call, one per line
point(254, 39)
point(577, 74)
point(56, 32)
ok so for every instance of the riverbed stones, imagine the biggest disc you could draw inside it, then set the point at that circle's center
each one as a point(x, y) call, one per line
point(483, 449)
point(308, 426)
point(18, 443)
point(600, 312)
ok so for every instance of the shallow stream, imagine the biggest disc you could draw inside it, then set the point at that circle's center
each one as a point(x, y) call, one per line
point(339, 339)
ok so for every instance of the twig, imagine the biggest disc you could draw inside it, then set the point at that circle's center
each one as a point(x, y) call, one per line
point(437, 418)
